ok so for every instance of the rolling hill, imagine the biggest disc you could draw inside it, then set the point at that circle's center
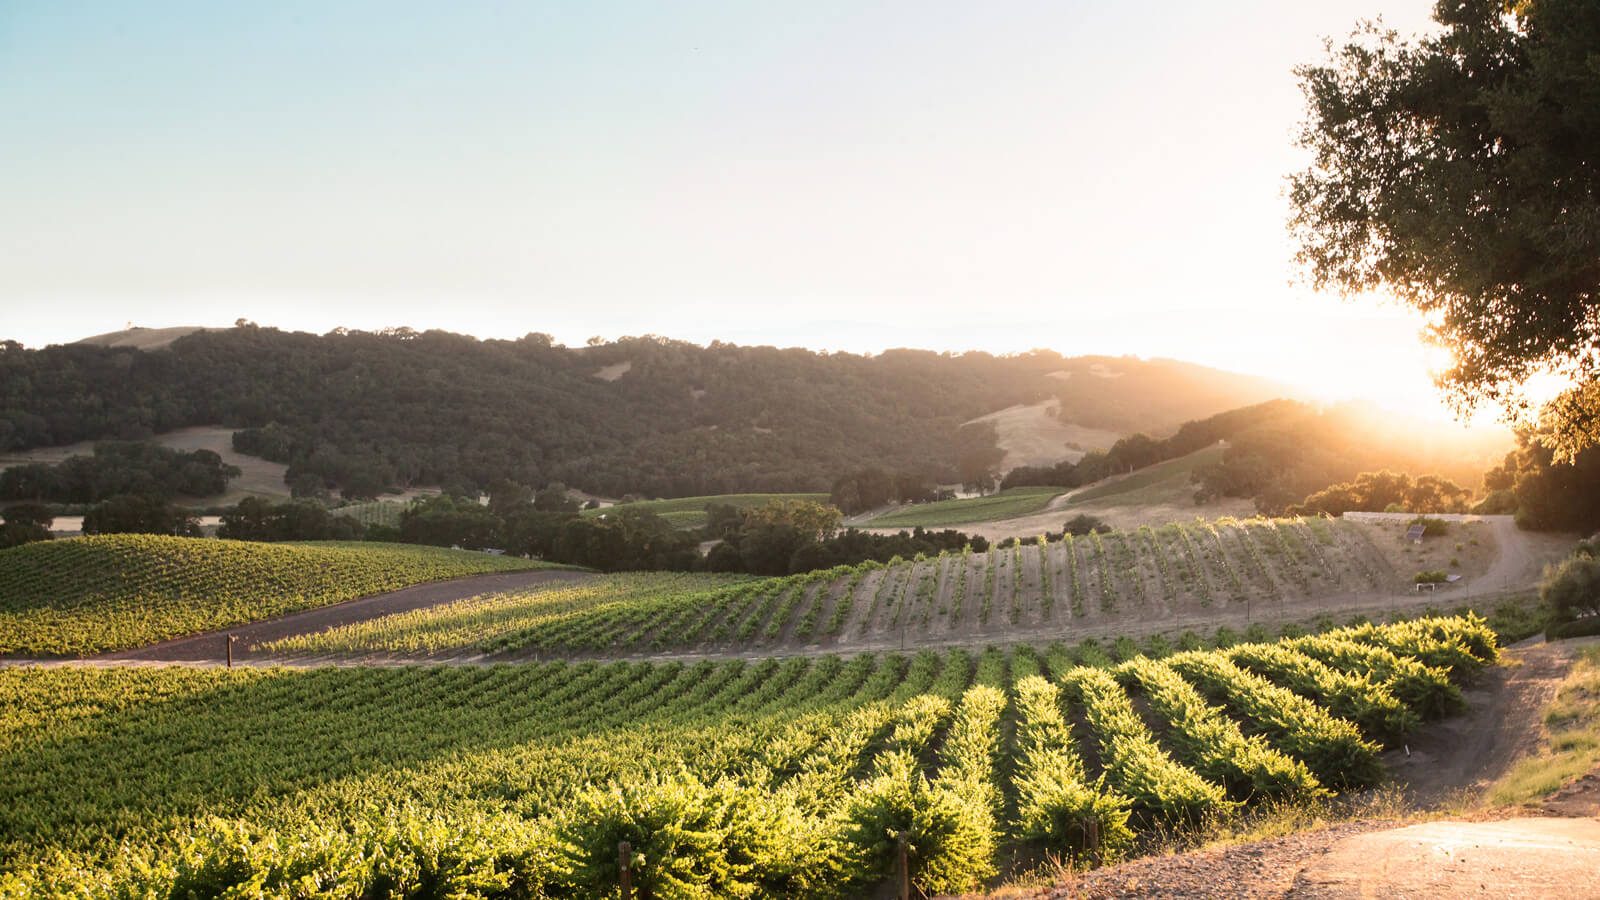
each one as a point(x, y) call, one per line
point(647, 415)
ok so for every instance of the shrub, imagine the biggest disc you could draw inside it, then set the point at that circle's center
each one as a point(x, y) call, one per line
point(1430, 526)
point(1571, 590)
point(1083, 523)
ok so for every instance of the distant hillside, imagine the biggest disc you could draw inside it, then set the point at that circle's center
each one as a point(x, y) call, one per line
point(363, 411)
point(142, 338)
point(1127, 395)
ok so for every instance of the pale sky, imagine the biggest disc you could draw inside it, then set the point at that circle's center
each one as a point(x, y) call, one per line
point(1092, 178)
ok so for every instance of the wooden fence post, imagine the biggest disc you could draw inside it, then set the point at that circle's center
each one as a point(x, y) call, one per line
point(229, 640)
point(903, 858)
point(625, 869)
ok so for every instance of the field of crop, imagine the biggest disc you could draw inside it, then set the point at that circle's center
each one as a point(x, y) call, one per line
point(690, 512)
point(1152, 579)
point(1007, 504)
point(110, 592)
point(610, 607)
point(375, 512)
point(773, 777)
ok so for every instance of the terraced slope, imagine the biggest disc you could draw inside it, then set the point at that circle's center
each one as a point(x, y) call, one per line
point(745, 778)
point(111, 592)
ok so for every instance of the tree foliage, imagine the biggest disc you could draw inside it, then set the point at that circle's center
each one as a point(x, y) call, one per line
point(1378, 491)
point(1461, 172)
point(119, 467)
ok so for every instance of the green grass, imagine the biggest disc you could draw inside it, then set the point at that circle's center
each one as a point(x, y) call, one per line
point(112, 592)
point(690, 512)
point(187, 782)
point(1573, 720)
point(1007, 504)
point(1160, 483)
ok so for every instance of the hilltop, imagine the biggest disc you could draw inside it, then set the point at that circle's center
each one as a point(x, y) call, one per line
point(647, 415)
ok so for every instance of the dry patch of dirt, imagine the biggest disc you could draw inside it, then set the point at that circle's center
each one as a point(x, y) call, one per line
point(1260, 869)
point(144, 338)
point(614, 371)
point(1529, 857)
point(1031, 435)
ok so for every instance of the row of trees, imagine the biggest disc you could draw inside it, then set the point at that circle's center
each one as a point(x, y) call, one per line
point(1385, 490)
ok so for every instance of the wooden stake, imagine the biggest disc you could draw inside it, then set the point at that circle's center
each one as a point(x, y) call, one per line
point(230, 651)
point(625, 869)
point(903, 855)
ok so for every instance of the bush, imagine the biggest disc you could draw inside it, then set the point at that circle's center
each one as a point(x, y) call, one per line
point(1430, 526)
point(1584, 627)
point(1083, 523)
point(1432, 576)
point(1571, 590)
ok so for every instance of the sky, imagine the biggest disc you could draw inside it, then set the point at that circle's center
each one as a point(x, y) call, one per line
point(1089, 178)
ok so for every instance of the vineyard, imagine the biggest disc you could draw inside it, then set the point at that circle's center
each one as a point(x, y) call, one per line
point(111, 592)
point(798, 776)
point(1176, 577)
point(1006, 504)
point(690, 512)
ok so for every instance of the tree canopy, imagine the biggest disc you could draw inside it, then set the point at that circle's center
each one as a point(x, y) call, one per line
point(1461, 172)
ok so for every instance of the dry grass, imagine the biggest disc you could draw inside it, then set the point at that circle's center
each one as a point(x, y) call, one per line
point(1032, 435)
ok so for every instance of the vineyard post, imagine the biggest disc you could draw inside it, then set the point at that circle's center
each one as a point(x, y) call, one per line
point(624, 869)
point(903, 860)
point(1091, 837)
point(229, 643)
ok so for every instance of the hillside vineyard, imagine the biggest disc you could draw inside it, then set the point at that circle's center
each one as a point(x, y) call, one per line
point(1180, 575)
point(773, 777)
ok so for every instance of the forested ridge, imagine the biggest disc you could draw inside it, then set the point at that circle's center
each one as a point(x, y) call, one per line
point(369, 410)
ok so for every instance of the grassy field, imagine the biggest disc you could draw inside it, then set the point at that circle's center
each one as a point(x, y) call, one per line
point(772, 777)
point(1160, 483)
point(110, 592)
point(690, 512)
point(1007, 504)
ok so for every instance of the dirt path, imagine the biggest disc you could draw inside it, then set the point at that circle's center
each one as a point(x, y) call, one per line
point(1503, 723)
point(211, 645)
